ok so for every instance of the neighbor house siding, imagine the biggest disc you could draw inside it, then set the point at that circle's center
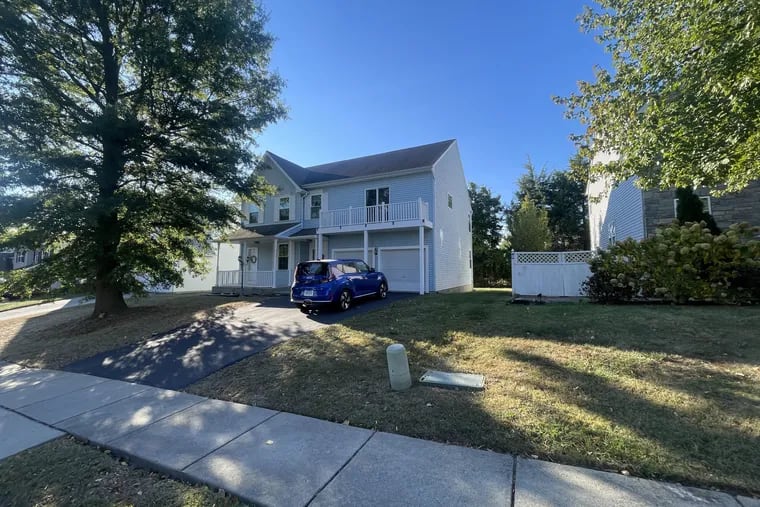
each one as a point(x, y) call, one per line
point(743, 206)
point(452, 238)
point(618, 212)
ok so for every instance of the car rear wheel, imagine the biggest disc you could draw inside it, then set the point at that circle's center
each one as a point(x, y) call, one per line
point(382, 291)
point(344, 300)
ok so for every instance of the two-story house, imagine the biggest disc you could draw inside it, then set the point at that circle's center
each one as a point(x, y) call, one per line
point(623, 210)
point(406, 213)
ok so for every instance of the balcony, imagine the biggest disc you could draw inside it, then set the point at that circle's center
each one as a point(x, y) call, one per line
point(381, 216)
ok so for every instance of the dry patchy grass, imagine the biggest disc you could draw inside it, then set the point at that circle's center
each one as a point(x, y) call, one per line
point(66, 472)
point(58, 338)
point(663, 392)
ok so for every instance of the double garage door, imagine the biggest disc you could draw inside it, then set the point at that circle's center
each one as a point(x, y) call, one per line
point(401, 266)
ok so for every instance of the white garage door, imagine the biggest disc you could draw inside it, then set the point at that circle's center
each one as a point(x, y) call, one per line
point(401, 268)
point(348, 253)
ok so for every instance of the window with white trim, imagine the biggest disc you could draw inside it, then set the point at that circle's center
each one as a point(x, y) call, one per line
point(254, 214)
point(450, 201)
point(315, 205)
point(706, 201)
point(611, 235)
point(284, 209)
point(20, 255)
point(282, 256)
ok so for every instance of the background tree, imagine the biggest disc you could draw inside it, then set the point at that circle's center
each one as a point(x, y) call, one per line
point(489, 257)
point(530, 228)
point(562, 194)
point(690, 208)
point(117, 120)
point(682, 102)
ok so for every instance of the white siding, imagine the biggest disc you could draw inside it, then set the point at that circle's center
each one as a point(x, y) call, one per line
point(452, 239)
point(618, 208)
point(284, 188)
point(228, 260)
point(404, 188)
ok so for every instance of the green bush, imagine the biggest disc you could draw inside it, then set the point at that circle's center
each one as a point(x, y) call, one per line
point(681, 264)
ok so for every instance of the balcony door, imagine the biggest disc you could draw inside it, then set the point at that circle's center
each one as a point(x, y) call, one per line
point(377, 201)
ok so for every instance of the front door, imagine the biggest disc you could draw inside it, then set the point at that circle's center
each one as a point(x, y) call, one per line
point(251, 266)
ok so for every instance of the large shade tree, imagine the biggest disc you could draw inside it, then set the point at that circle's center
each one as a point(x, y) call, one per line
point(121, 122)
point(681, 104)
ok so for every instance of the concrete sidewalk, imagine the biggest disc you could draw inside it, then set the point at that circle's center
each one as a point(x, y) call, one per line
point(277, 458)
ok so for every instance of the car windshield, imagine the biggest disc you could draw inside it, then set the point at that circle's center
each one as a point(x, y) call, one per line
point(312, 268)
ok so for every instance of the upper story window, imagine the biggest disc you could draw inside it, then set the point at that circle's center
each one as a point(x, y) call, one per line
point(705, 201)
point(315, 202)
point(611, 235)
point(284, 209)
point(254, 214)
point(450, 201)
point(469, 222)
point(375, 196)
point(20, 255)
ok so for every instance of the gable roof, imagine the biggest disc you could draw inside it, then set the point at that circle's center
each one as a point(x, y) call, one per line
point(371, 165)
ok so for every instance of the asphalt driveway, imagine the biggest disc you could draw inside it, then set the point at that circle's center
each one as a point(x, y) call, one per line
point(185, 355)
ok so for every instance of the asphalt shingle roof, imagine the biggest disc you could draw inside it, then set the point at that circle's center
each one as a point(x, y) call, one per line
point(398, 160)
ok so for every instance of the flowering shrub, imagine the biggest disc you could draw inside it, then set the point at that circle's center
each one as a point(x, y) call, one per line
point(680, 263)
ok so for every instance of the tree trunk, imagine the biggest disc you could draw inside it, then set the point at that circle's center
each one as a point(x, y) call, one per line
point(108, 300)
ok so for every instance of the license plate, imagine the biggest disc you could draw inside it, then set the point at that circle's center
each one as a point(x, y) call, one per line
point(308, 293)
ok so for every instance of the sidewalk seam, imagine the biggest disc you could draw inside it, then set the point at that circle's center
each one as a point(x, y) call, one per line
point(514, 481)
point(228, 441)
point(341, 468)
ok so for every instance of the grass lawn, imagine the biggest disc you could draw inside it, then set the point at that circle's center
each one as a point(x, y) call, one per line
point(63, 336)
point(660, 391)
point(12, 305)
point(66, 472)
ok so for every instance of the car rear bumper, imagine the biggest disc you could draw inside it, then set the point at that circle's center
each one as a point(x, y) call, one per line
point(309, 302)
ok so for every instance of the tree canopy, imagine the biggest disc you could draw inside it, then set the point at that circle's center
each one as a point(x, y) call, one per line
point(490, 259)
point(530, 228)
point(119, 123)
point(562, 195)
point(681, 104)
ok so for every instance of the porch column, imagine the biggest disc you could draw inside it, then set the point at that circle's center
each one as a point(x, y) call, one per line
point(366, 246)
point(274, 262)
point(217, 262)
point(319, 246)
point(291, 259)
point(422, 260)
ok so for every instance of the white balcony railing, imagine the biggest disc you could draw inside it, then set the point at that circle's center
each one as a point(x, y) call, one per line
point(379, 214)
point(251, 278)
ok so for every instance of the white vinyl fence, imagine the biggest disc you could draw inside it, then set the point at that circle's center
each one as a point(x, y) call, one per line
point(549, 273)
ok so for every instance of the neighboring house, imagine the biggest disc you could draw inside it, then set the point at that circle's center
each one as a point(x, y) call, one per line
point(623, 210)
point(21, 259)
point(406, 213)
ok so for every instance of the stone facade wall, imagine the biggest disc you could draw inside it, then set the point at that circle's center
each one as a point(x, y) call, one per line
point(741, 206)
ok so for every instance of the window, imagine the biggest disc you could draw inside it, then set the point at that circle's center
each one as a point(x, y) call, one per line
point(20, 255)
point(469, 222)
point(707, 203)
point(282, 256)
point(253, 214)
point(470, 255)
point(284, 209)
point(377, 200)
point(349, 268)
point(316, 205)
point(611, 235)
point(361, 266)
point(450, 201)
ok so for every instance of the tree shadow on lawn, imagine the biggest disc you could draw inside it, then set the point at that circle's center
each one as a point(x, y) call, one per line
point(659, 438)
point(63, 336)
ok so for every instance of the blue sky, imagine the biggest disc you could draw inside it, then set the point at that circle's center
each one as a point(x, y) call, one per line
point(366, 77)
